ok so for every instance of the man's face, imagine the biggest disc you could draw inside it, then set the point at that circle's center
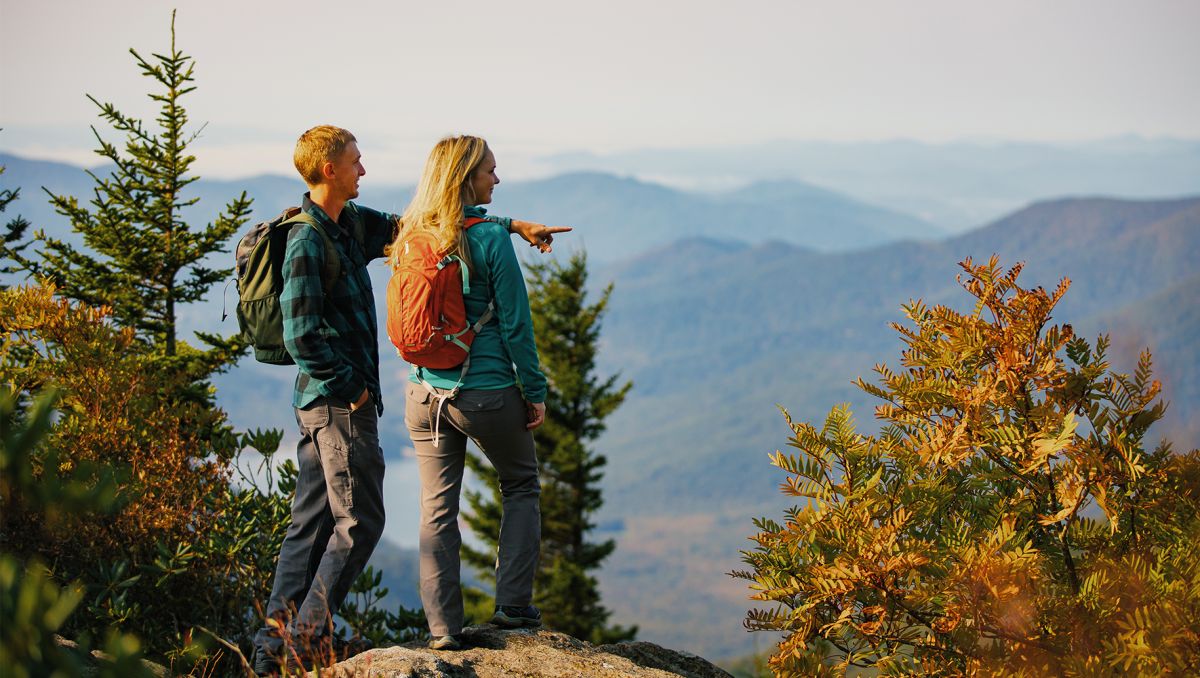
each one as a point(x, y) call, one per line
point(346, 171)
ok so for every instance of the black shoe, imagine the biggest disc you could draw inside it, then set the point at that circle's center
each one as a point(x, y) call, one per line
point(447, 643)
point(263, 663)
point(511, 617)
point(344, 649)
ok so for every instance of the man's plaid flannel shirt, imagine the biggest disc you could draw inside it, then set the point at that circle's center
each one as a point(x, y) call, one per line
point(334, 340)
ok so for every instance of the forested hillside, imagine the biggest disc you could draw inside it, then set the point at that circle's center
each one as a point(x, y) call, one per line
point(715, 336)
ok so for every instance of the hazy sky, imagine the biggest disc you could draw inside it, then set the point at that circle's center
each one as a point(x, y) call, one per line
point(541, 76)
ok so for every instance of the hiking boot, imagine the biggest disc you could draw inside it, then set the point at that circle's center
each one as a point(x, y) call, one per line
point(511, 617)
point(447, 643)
point(264, 664)
point(344, 649)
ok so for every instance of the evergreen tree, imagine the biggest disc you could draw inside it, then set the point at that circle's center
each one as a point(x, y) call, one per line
point(16, 226)
point(577, 403)
point(142, 259)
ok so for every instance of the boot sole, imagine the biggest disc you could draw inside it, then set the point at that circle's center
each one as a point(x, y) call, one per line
point(505, 621)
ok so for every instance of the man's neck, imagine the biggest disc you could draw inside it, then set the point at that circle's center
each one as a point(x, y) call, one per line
point(322, 197)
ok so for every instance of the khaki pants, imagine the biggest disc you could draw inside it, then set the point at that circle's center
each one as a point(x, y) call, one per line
point(495, 420)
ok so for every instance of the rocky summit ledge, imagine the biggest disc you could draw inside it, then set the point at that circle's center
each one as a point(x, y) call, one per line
point(495, 653)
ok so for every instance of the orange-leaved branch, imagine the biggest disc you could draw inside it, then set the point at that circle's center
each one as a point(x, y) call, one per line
point(1006, 519)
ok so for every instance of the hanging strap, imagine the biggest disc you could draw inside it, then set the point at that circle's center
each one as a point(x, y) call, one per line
point(440, 399)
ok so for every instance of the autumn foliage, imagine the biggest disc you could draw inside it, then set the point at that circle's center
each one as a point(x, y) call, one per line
point(1006, 520)
point(181, 546)
point(117, 412)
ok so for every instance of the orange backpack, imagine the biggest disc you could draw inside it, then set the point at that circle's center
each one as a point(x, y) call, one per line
point(426, 317)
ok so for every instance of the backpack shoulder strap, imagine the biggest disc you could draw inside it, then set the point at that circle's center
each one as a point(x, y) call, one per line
point(490, 311)
point(333, 262)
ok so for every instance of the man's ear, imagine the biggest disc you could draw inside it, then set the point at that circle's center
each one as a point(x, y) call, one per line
point(327, 171)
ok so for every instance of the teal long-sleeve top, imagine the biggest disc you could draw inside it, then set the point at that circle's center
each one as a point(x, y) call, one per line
point(504, 352)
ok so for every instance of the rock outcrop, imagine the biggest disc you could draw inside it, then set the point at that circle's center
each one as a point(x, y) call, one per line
point(493, 652)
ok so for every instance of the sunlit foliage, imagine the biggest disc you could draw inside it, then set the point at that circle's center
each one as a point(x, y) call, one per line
point(34, 607)
point(1006, 520)
point(175, 549)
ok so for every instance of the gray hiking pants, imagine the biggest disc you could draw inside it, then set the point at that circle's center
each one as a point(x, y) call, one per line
point(495, 420)
point(337, 517)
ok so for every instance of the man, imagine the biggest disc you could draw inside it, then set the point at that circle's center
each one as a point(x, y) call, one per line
point(337, 513)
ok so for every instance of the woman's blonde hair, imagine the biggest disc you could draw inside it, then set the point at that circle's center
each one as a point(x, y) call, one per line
point(444, 190)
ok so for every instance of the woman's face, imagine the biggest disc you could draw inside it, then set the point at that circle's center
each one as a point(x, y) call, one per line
point(484, 179)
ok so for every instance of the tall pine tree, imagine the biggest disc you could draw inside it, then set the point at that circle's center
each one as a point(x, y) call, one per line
point(141, 258)
point(567, 330)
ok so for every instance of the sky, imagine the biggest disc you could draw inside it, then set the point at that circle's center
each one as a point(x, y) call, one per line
point(538, 77)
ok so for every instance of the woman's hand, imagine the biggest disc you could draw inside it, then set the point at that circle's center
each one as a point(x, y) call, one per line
point(537, 235)
point(536, 414)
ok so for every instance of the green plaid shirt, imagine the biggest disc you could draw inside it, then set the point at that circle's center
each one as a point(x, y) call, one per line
point(335, 340)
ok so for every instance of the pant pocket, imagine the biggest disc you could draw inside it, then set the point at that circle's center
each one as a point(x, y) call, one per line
point(313, 416)
point(337, 457)
point(416, 406)
point(479, 401)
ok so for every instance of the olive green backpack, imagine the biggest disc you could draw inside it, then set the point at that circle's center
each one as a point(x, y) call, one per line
point(260, 280)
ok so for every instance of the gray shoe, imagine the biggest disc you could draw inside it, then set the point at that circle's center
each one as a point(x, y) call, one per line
point(447, 643)
point(511, 617)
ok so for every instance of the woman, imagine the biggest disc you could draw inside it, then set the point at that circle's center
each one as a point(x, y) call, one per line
point(489, 408)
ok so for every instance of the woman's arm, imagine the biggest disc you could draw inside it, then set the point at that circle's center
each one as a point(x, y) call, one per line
point(511, 302)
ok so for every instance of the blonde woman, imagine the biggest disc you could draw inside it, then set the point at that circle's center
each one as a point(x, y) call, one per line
point(500, 399)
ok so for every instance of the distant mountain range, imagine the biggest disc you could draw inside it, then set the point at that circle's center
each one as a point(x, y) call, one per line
point(723, 308)
point(714, 335)
point(613, 215)
point(957, 185)
point(618, 215)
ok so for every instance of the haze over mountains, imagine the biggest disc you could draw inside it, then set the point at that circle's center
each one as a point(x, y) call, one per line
point(729, 303)
point(957, 185)
point(613, 215)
